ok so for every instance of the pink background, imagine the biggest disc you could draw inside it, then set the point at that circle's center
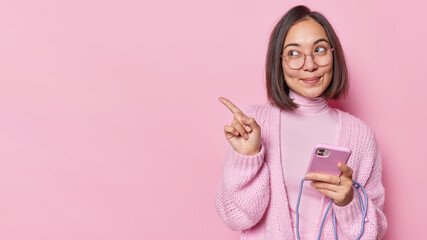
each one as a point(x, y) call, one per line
point(110, 127)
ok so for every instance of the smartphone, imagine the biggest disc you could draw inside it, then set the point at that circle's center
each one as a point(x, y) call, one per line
point(325, 158)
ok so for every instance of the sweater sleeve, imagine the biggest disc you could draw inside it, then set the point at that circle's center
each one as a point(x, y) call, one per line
point(243, 193)
point(349, 217)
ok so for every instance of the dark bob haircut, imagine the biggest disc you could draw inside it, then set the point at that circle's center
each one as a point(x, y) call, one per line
point(277, 89)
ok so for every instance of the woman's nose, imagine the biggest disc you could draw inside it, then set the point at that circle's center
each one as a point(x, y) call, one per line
point(309, 64)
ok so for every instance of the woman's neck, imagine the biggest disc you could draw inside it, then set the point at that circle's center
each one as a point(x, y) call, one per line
point(308, 105)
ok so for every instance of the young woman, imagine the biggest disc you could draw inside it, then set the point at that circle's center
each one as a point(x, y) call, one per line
point(271, 144)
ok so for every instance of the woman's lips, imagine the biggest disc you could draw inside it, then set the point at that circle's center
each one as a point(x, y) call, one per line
point(311, 80)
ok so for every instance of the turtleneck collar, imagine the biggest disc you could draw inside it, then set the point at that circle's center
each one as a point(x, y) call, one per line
point(307, 105)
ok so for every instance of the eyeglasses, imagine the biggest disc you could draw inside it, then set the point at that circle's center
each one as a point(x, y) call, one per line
point(295, 59)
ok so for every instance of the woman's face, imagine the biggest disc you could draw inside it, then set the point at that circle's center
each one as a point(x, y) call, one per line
point(307, 36)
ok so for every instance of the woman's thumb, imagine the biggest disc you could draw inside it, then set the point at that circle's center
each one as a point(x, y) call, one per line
point(250, 122)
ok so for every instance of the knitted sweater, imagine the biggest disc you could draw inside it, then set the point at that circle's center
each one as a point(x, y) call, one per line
point(252, 197)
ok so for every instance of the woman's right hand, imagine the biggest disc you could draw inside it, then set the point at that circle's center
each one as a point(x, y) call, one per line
point(244, 134)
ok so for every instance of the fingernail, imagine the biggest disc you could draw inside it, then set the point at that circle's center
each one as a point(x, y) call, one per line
point(339, 165)
point(236, 133)
point(248, 128)
point(246, 136)
point(308, 176)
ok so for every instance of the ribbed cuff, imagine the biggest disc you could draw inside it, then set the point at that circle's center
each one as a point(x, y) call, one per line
point(242, 162)
point(350, 212)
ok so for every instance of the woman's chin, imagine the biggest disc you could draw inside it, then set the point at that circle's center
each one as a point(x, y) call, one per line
point(312, 93)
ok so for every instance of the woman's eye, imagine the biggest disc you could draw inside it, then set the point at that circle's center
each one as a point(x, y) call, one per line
point(293, 53)
point(320, 50)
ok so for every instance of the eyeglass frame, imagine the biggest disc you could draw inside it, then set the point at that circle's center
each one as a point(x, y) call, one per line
point(305, 57)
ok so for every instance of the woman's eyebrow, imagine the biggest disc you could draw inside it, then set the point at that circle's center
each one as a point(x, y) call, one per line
point(315, 42)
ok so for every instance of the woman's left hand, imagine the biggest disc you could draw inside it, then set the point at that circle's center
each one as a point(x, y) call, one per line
point(340, 191)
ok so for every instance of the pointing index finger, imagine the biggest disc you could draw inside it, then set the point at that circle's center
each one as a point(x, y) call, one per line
point(229, 105)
